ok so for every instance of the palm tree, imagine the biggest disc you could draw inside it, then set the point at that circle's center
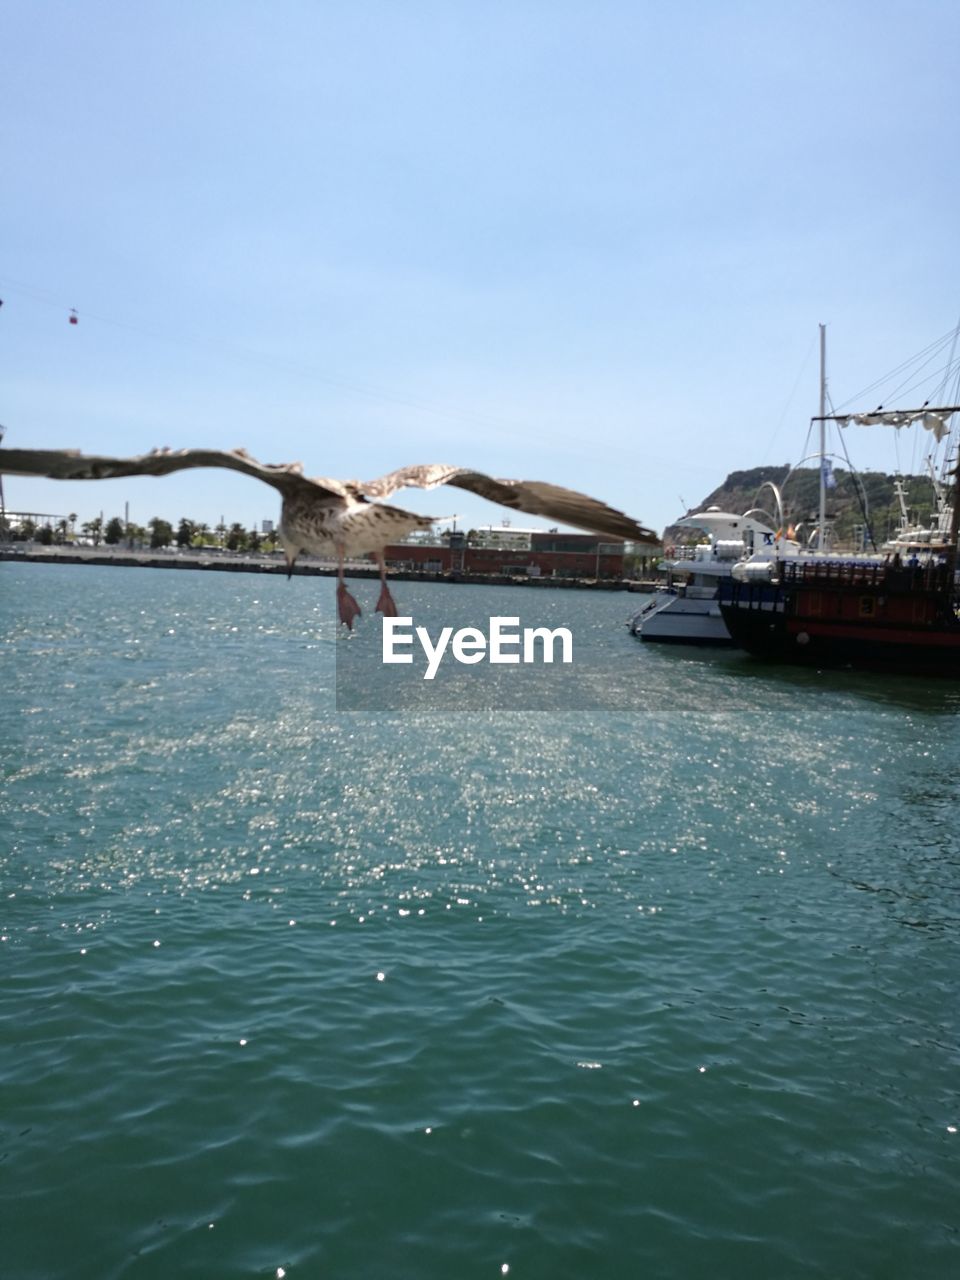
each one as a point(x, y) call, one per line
point(236, 538)
point(93, 529)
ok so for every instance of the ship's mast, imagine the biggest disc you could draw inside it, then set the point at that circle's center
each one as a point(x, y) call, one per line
point(821, 526)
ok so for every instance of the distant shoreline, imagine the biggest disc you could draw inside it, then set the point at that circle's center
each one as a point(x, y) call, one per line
point(245, 562)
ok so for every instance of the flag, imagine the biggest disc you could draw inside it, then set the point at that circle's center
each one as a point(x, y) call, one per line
point(826, 474)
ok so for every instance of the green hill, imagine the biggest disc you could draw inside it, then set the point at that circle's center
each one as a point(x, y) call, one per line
point(846, 504)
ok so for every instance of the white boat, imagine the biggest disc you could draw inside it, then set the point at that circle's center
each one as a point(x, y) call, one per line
point(685, 609)
point(917, 544)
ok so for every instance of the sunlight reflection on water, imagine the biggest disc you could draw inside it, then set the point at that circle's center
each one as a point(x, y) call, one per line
point(574, 989)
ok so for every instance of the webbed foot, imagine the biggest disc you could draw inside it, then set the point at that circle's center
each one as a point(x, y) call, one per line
point(347, 607)
point(386, 603)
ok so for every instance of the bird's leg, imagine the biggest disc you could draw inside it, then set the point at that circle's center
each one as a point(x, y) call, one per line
point(347, 607)
point(386, 603)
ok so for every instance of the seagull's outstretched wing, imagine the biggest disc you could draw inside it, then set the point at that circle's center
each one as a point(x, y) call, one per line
point(69, 464)
point(535, 497)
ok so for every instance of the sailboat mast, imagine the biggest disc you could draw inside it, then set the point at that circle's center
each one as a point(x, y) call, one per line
point(821, 525)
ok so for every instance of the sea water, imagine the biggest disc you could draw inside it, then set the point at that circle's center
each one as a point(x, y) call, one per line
point(665, 986)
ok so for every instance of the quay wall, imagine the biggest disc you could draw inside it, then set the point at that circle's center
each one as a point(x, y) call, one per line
point(245, 563)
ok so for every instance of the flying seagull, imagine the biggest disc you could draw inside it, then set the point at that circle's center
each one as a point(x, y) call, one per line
point(345, 518)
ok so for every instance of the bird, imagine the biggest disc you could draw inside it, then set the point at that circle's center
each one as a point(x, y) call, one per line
point(345, 518)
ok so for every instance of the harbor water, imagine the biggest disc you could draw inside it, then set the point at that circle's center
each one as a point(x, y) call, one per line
point(665, 985)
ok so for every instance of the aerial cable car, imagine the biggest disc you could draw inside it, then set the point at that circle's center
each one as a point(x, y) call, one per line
point(74, 318)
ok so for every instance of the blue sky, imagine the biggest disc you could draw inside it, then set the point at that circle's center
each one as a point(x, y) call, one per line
point(583, 242)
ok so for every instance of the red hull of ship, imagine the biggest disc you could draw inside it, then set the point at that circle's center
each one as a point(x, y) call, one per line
point(873, 617)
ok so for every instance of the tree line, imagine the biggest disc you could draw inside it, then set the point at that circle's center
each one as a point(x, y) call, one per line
point(156, 534)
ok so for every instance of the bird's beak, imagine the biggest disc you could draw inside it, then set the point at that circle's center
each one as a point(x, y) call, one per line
point(291, 560)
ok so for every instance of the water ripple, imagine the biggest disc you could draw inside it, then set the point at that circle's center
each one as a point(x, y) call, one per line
point(669, 986)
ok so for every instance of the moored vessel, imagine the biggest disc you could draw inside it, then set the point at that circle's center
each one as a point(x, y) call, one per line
point(830, 613)
point(685, 610)
point(900, 613)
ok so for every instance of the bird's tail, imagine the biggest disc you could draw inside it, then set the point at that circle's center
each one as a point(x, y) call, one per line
point(377, 526)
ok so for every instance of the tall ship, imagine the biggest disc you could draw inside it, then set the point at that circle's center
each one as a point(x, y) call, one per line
point(899, 612)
